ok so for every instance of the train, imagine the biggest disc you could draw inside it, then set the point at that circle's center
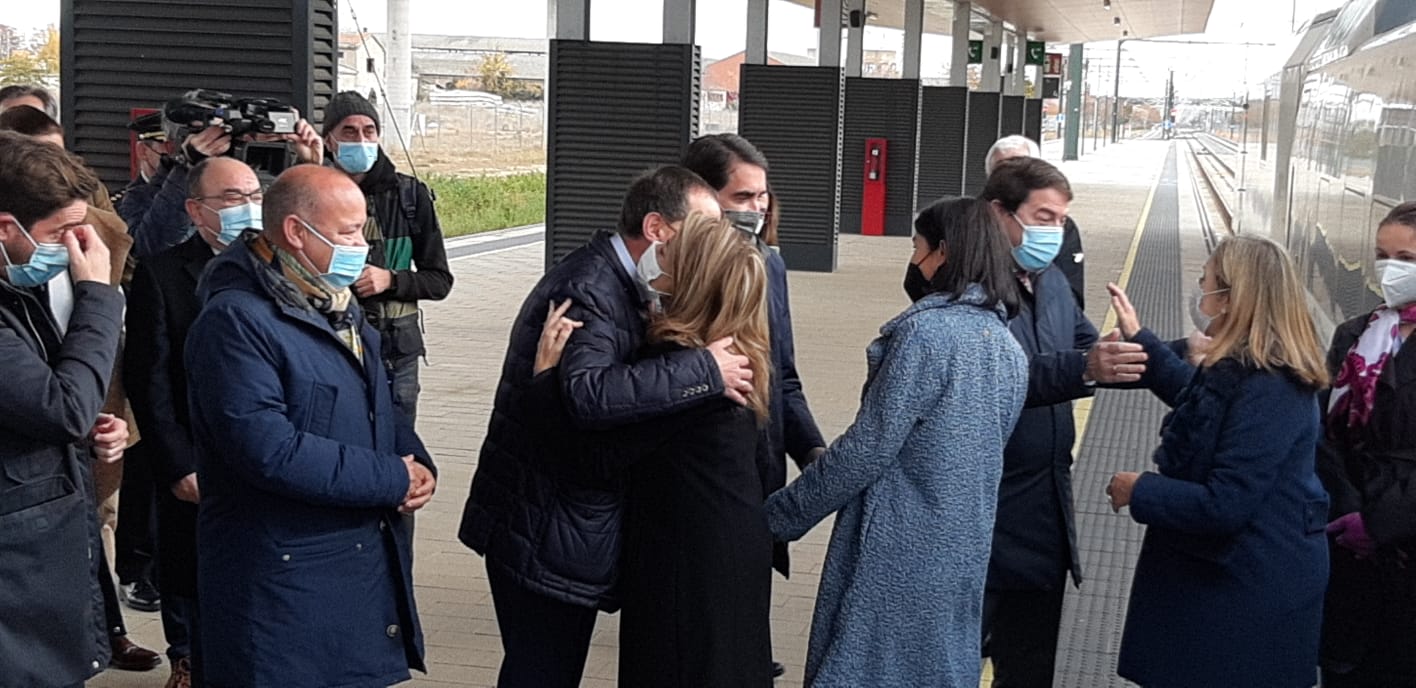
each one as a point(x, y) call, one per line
point(1328, 148)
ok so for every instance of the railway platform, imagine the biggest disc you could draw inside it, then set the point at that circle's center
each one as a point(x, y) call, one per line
point(1144, 221)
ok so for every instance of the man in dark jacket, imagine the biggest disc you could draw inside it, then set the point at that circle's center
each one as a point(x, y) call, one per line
point(407, 260)
point(547, 523)
point(1070, 256)
point(304, 463)
point(1034, 540)
point(56, 378)
point(225, 202)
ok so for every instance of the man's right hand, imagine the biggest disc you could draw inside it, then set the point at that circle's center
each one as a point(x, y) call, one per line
point(1113, 361)
point(207, 143)
point(186, 489)
point(735, 369)
point(88, 257)
point(421, 485)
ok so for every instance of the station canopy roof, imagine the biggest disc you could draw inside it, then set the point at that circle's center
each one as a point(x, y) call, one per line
point(1057, 21)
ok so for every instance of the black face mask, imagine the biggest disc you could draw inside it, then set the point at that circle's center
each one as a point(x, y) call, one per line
point(916, 285)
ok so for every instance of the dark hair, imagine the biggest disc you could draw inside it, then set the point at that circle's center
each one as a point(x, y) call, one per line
point(976, 250)
point(1404, 214)
point(51, 107)
point(663, 190)
point(23, 119)
point(712, 157)
point(38, 179)
point(1014, 179)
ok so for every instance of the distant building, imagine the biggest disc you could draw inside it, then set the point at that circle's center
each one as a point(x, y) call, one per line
point(720, 78)
point(441, 62)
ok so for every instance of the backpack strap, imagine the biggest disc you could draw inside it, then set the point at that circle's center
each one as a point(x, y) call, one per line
point(408, 196)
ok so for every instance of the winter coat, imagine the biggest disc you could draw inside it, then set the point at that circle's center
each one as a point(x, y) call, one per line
point(546, 515)
point(52, 625)
point(1370, 611)
point(1228, 589)
point(156, 211)
point(160, 314)
point(914, 481)
point(1035, 539)
point(305, 566)
point(409, 237)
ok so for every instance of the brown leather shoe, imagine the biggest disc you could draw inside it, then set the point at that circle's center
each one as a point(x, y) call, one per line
point(181, 674)
point(127, 656)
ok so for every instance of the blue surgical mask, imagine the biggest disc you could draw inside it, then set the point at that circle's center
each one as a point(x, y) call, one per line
point(235, 220)
point(355, 157)
point(47, 262)
point(1040, 246)
point(346, 263)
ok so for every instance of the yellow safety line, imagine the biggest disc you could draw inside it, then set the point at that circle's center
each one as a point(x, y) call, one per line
point(1081, 412)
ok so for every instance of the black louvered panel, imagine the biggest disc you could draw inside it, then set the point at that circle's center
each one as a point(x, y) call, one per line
point(888, 109)
point(983, 131)
point(794, 116)
point(124, 54)
point(1032, 119)
point(942, 124)
point(1010, 116)
point(615, 110)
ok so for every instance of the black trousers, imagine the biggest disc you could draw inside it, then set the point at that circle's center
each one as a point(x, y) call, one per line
point(545, 641)
point(135, 541)
point(1020, 635)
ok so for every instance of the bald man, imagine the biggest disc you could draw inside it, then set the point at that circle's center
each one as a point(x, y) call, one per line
point(225, 203)
point(304, 464)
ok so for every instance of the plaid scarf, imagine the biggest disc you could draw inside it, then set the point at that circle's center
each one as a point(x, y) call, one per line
point(297, 286)
point(1355, 390)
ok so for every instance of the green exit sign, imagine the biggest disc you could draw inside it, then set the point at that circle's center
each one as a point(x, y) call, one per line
point(1037, 53)
point(975, 52)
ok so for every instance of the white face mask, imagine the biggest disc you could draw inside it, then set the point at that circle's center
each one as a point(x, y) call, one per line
point(1198, 316)
point(1398, 282)
point(648, 267)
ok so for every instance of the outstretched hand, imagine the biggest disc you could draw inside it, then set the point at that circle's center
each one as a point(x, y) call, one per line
point(1126, 317)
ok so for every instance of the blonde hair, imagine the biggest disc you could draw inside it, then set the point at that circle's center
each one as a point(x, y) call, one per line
point(719, 290)
point(1267, 321)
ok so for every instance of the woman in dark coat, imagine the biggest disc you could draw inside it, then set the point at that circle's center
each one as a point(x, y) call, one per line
point(1228, 589)
point(696, 559)
point(1368, 463)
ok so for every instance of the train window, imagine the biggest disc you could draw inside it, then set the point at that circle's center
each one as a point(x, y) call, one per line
point(1392, 14)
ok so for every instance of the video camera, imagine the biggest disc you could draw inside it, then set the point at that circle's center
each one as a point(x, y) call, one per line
point(241, 118)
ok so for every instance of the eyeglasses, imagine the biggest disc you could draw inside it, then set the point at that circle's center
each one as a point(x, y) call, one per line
point(235, 197)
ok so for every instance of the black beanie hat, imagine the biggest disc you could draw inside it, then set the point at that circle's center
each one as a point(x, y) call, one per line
point(344, 104)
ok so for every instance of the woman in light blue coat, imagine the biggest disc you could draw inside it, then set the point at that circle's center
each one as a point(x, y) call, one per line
point(915, 477)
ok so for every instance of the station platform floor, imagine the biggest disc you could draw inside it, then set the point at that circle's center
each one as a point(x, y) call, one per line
point(1140, 223)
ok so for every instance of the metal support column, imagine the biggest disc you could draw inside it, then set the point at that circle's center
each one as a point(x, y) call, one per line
point(756, 32)
point(992, 58)
point(1070, 149)
point(678, 21)
point(568, 20)
point(828, 48)
point(1019, 80)
point(855, 38)
point(959, 45)
point(398, 77)
point(914, 36)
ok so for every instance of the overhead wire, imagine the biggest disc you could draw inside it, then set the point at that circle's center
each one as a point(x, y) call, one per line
point(383, 94)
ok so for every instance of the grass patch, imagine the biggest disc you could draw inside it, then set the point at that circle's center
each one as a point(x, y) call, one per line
point(468, 205)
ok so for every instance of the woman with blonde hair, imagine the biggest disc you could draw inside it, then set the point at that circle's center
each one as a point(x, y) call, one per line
point(1228, 590)
point(696, 559)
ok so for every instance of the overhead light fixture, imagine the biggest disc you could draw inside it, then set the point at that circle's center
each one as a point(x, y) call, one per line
point(1116, 21)
point(1106, 4)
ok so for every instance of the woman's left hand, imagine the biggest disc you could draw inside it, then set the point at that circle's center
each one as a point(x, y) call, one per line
point(1126, 317)
point(554, 335)
point(1119, 489)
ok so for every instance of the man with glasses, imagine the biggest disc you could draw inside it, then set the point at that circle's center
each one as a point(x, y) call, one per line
point(1034, 540)
point(225, 203)
point(305, 565)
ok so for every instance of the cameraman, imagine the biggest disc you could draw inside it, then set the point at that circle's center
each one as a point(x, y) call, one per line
point(158, 221)
point(407, 262)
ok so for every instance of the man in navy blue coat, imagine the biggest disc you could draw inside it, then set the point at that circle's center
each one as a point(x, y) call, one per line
point(304, 463)
point(545, 520)
point(1034, 540)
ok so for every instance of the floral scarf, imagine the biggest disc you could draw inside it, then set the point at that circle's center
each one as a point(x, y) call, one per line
point(1355, 390)
point(300, 287)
